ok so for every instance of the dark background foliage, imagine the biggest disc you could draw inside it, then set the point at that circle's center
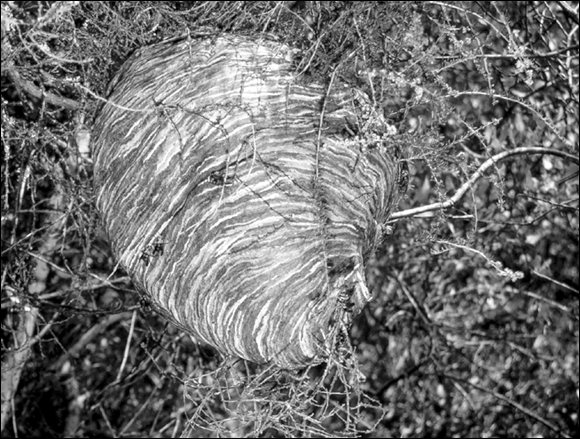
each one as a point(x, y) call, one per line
point(473, 330)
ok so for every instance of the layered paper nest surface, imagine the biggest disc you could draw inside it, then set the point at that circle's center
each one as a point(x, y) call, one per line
point(243, 202)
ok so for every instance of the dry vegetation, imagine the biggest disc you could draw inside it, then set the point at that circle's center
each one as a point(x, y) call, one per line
point(474, 327)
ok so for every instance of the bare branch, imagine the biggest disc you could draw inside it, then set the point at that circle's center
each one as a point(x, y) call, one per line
point(519, 102)
point(477, 175)
point(102, 99)
point(35, 92)
point(127, 346)
point(510, 55)
point(58, 58)
point(14, 360)
point(88, 336)
point(569, 11)
point(561, 284)
point(466, 11)
point(514, 404)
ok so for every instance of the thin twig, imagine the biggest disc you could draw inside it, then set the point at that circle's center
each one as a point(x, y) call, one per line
point(514, 404)
point(509, 55)
point(61, 60)
point(411, 298)
point(476, 176)
point(561, 284)
point(139, 412)
point(102, 99)
point(515, 101)
point(15, 359)
point(569, 11)
point(328, 90)
point(75, 406)
point(13, 362)
point(458, 8)
point(107, 422)
point(48, 262)
point(127, 346)
point(35, 92)
point(88, 336)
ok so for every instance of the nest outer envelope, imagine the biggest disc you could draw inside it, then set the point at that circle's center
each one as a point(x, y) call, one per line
point(240, 217)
